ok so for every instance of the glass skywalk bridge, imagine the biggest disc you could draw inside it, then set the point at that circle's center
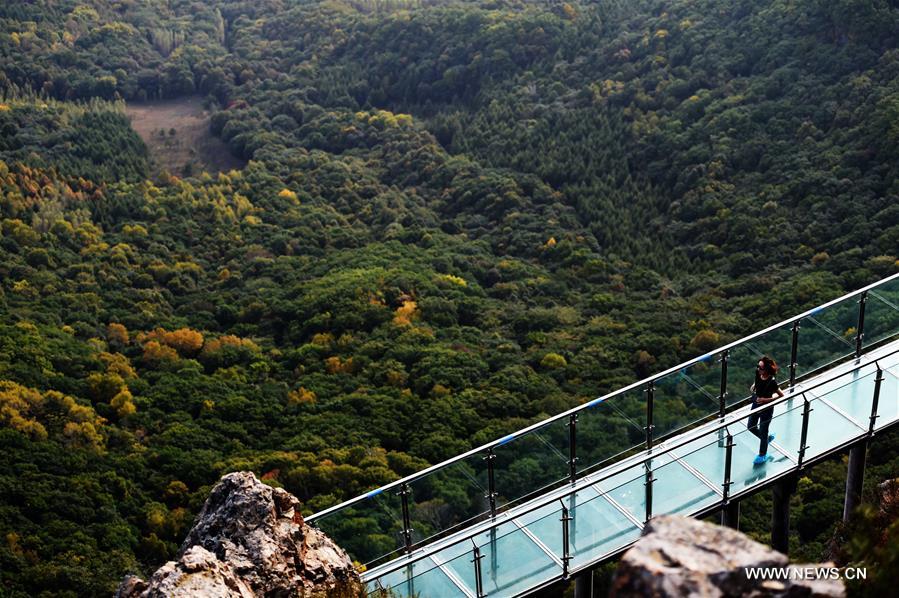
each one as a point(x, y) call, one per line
point(562, 495)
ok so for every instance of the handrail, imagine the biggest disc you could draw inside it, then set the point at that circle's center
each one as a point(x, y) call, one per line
point(510, 437)
point(615, 469)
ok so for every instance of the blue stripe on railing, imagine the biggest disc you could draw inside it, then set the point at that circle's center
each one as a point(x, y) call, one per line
point(374, 492)
point(505, 440)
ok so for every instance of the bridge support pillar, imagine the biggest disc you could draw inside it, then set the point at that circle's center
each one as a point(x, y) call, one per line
point(780, 515)
point(583, 585)
point(855, 475)
point(730, 515)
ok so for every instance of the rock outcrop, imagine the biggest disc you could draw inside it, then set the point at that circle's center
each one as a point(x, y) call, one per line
point(889, 500)
point(679, 556)
point(197, 573)
point(250, 540)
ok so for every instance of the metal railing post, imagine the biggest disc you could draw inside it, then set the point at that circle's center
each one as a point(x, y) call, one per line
point(877, 381)
point(730, 511)
point(478, 580)
point(494, 555)
point(566, 552)
point(728, 460)
point(794, 350)
point(491, 482)
point(572, 447)
point(404, 493)
point(650, 392)
point(806, 410)
point(573, 526)
point(722, 396)
point(410, 580)
point(860, 329)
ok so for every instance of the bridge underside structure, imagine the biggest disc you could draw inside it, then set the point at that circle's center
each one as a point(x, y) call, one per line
point(521, 541)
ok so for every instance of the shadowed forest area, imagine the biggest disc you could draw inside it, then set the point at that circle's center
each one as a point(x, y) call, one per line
point(455, 218)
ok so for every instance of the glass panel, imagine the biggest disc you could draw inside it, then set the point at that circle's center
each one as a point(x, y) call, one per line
point(447, 497)
point(741, 372)
point(852, 394)
point(706, 456)
point(610, 428)
point(464, 547)
point(596, 527)
point(890, 359)
point(679, 489)
point(841, 317)
point(420, 578)
point(882, 312)
point(675, 488)
point(685, 396)
point(369, 529)
point(512, 561)
point(827, 335)
point(888, 406)
point(531, 462)
point(627, 490)
point(828, 428)
point(742, 362)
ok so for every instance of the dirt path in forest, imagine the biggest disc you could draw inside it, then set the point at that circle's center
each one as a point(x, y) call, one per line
point(177, 135)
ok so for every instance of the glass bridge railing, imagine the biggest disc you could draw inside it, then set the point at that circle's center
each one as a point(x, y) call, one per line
point(698, 472)
point(449, 496)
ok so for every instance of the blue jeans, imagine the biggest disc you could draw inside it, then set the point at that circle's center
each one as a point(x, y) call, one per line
point(758, 424)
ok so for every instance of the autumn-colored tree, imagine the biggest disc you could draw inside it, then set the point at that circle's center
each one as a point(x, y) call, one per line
point(404, 314)
point(156, 354)
point(118, 364)
point(16, 406)
point(40, 415)
point(288, 195)
point(103, 387)
point(553, 361)
point(705, 340)
point(123, 403)
point(301, 396)
point(184, 340)
point(117, 335)
point(228, 340)
point(336, 365)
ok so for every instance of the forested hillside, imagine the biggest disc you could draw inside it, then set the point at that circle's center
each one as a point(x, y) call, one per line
point(457, 218)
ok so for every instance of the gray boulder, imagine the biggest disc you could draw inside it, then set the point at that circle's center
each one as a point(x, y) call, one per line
point(679, 556)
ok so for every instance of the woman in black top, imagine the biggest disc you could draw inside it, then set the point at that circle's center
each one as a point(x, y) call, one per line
point(764, 390)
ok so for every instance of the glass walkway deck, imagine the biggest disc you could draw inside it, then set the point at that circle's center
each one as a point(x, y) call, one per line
point(519, 513)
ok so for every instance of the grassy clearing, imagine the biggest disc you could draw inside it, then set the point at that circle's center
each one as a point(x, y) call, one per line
point(177, 135)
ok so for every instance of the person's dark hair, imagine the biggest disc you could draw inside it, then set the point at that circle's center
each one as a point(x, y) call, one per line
point(769, 365)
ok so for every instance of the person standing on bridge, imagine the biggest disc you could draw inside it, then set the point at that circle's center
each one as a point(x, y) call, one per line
point(764, 390)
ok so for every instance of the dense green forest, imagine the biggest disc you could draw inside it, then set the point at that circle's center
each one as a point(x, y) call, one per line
point(456, 219)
